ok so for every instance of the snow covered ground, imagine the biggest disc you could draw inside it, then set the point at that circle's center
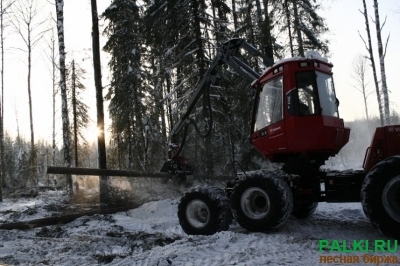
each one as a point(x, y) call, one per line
point(151, 235)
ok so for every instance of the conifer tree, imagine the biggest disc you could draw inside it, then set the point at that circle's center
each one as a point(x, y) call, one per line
point(303, 25)
point(126, 93)
point(78, 110)
point(160, 52)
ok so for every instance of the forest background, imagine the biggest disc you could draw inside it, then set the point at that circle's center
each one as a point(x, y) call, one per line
point(154, 53)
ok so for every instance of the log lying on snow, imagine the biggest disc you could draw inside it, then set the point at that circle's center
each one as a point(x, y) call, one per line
point(105, 172)
point(127, 173)
point(57, 220)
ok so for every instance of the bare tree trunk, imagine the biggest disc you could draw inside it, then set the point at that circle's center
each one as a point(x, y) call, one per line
point(289, 24)
point(219, 16)
point(169, 109)
point(300, 47)
point(250, 36)
point(267, 41)
point(360, 76)
point(74, 114)
point(235, 18)
point(99, 87)
point(201, 66)
point(32, 156)
point(101, 145)
point(53, 72)
point(119, 152)
point(2, 164)
point(371, 58)
point(63, 88)
point(259, 14)
point(161, 111)
point(25, 24)
point(382, 54)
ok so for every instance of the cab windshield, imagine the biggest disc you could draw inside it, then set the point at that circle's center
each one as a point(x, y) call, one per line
point(314, 95)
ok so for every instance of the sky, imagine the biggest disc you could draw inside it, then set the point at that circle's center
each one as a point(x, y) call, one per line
point(342, 17)
point(345, 21)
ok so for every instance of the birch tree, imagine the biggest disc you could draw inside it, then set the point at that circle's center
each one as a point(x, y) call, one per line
point(63, 90)
point(368, 47)
point(29, 26)
point(360, 76)
point(3, 9)
point(52, 58)
point(382, 54)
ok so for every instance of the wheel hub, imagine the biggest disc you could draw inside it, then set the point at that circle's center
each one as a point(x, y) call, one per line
point(197, 213)
point(255, 203)
point(391, 198)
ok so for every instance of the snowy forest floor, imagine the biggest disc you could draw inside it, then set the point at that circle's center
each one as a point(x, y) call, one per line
point(151, 235)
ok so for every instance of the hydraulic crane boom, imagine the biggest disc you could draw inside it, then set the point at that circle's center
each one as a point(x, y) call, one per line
point(176, 164)
point(224, 56)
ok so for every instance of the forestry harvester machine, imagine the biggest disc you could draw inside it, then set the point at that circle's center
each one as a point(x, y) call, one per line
point(295, 122)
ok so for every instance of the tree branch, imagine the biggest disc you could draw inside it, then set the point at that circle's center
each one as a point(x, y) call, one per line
point(365, 43)
point(386, 44)
point(383, 24)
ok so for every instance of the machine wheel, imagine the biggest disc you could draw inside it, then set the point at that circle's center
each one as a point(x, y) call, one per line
point(380, 196)
point(303, 209)
point(262, 202)
point(204, 211)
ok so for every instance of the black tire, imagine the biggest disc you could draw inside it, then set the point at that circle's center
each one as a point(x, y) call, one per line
point(304, 209)
point(262, 202)
point(380, 196)
point(204, 211)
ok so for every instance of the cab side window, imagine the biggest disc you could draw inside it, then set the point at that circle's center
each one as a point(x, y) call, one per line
point(270, 105)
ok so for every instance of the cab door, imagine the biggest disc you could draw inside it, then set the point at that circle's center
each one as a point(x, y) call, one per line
point(269, 127)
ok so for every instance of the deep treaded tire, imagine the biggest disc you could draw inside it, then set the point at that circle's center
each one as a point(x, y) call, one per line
point(204, 211)
point(380, 196)
point(304, 209)
point(262, 202)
